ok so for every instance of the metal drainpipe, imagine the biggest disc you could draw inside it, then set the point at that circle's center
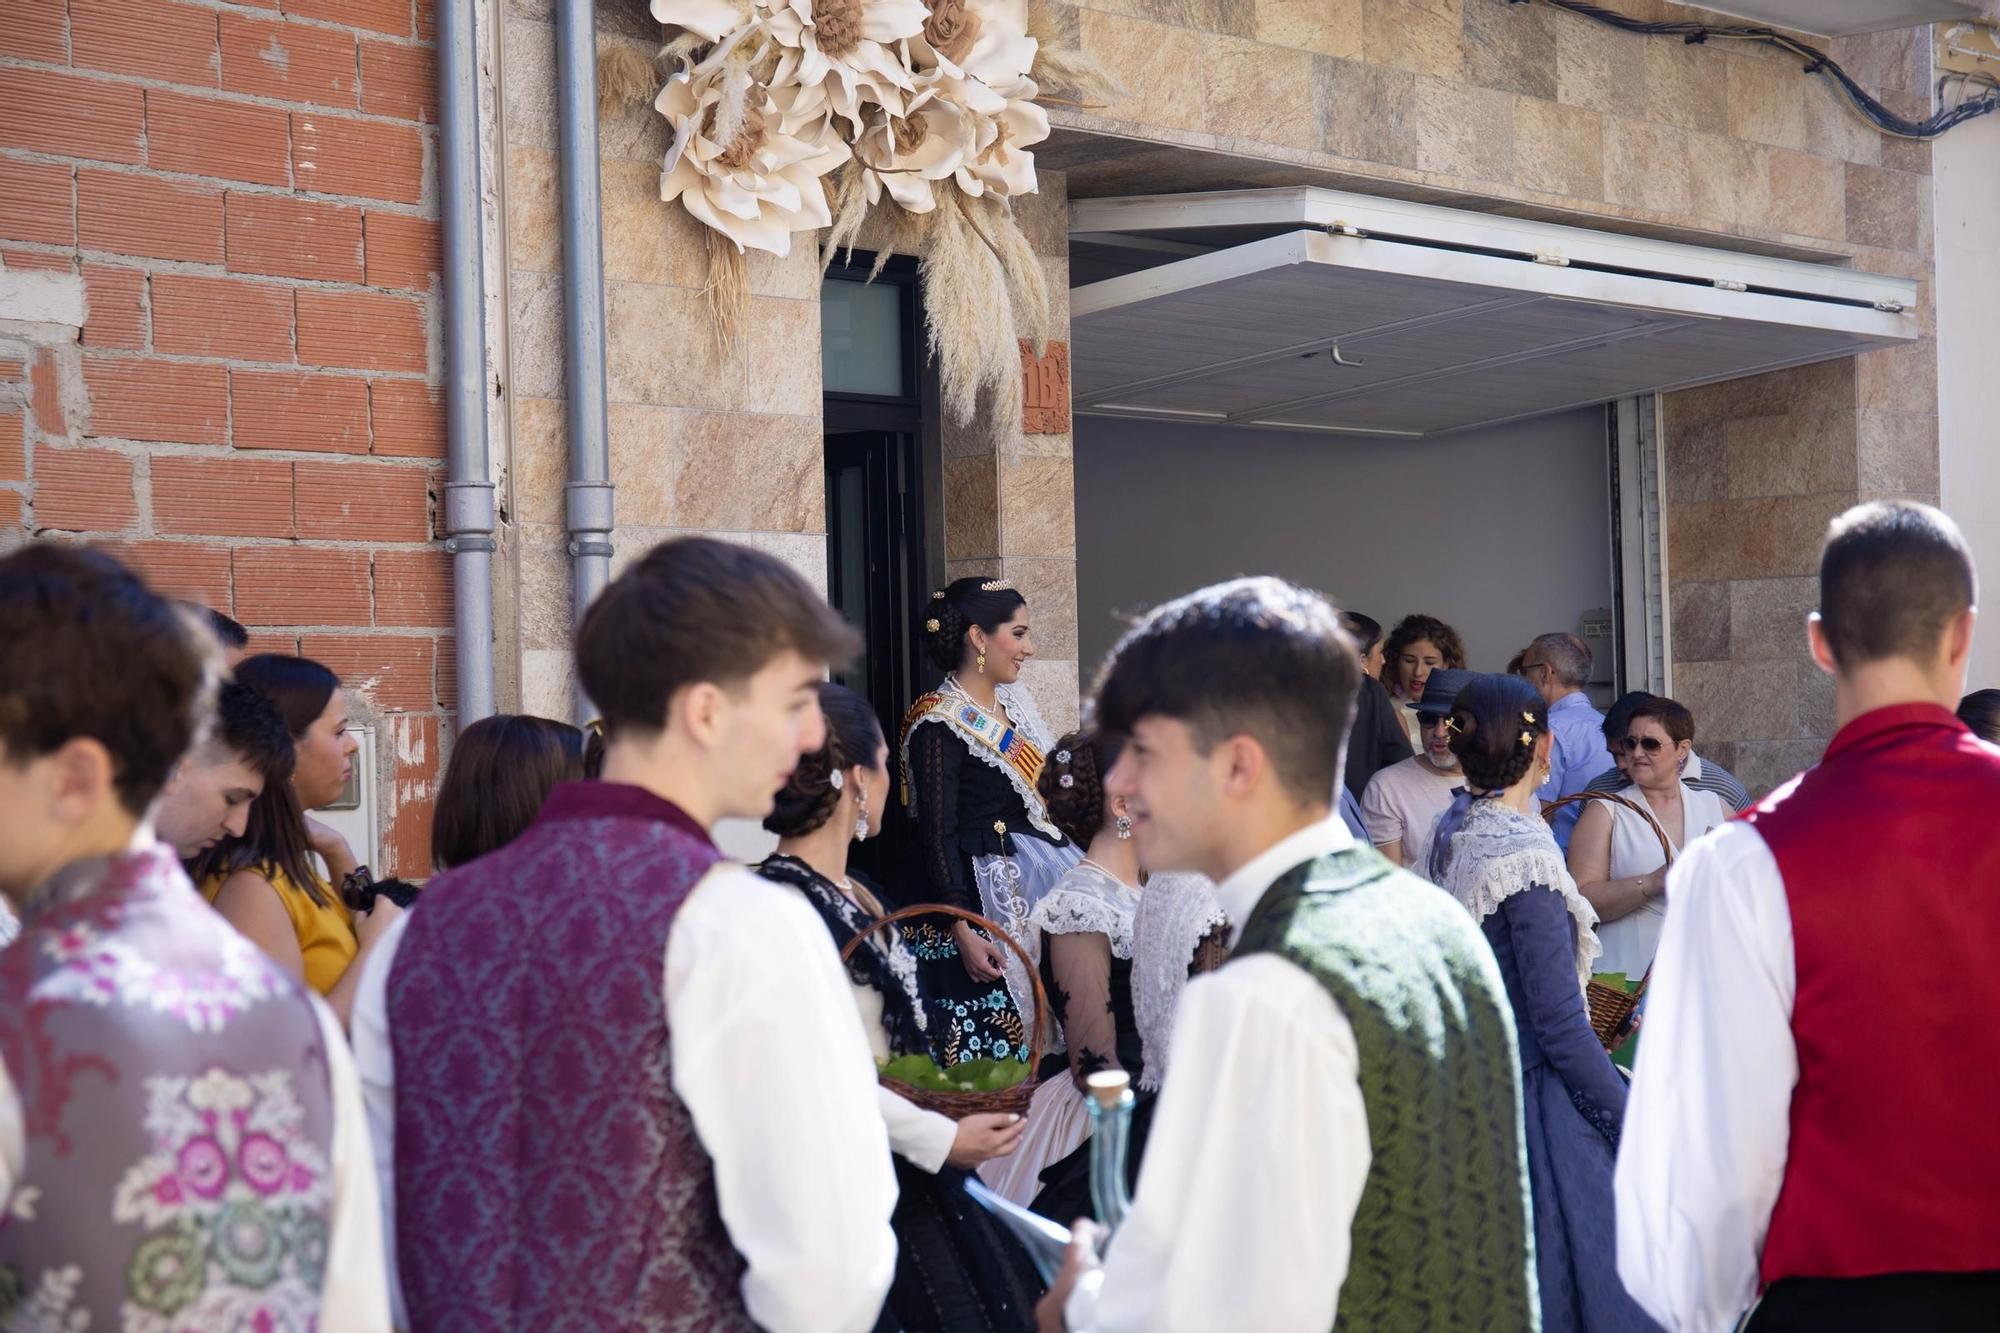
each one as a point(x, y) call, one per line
point(468, 488)
point(587, 497)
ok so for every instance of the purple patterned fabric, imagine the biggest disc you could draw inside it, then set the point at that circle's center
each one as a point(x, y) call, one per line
point(178, 1114)
point(547, 1177)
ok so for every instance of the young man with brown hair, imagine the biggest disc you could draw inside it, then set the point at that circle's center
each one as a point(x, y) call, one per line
point(619, 1084)
point(1812, 1114)
point(181, 1136)
point(208, 797)
point(1341, 1135)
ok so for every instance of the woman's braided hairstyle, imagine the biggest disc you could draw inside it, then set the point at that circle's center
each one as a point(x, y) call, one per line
point(1495, 723)
point(950, 615)
point(1072, 784)
point(853, 736)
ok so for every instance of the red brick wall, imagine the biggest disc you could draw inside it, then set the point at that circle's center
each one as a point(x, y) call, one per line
point(248, 193)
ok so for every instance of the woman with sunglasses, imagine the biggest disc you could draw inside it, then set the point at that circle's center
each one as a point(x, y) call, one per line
point(1615, 856)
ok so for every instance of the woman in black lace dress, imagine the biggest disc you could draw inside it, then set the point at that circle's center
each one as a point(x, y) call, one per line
point(971, 752)
point(957, 1270)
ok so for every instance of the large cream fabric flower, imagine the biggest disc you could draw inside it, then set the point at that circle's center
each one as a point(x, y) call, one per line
point(905, 156)
point(710, 20)
point(1003, 166)
point(848, 52)
point(752, 174)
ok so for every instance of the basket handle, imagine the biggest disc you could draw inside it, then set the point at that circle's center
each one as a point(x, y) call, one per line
point(1613, 798)
point(1037, 1022)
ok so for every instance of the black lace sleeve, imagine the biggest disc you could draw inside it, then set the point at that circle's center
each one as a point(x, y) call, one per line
point(936, 756)
point(1080, 966)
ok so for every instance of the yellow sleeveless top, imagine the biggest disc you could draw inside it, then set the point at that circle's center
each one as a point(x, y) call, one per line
point(325, 933)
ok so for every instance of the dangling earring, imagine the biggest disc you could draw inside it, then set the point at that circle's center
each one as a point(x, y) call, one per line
point(1124, 826)
point(861, 812)
point(982, 664)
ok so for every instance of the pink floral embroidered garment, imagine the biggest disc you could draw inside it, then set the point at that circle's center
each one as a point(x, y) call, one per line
point(180, 1136)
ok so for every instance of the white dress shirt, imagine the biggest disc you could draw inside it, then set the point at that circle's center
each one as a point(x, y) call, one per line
point(353, 1299)
point(770, 1058)
point(1708, 1125)
point(1258, 1152)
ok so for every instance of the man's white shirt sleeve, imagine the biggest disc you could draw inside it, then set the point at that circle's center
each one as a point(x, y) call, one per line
point(771, 1060)
point(1708, 1126)
point(1254, 1167)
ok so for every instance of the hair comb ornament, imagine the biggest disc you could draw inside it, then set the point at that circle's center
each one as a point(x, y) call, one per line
point(937, 596)
point(995, 585)
point(931, 625)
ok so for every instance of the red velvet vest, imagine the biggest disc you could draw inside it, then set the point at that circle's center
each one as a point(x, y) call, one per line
point(1890, 852)
point(547, 1177)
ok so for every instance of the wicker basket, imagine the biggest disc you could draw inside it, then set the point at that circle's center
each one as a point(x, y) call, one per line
point(1611, 1009)
point(958, 1105)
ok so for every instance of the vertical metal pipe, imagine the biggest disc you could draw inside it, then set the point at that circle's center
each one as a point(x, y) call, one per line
point(587, 497)
point(468, 490)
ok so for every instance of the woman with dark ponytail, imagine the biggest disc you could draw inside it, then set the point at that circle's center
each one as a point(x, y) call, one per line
point(971, 752)
point(1495, 855)
point(957, 1270)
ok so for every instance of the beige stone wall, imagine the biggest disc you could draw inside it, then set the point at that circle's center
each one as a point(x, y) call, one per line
point(704, 439)
point(1010, 502)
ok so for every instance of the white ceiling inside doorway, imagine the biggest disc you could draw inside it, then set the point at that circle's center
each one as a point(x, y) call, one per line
point(1840, 18)
point(1319, 311)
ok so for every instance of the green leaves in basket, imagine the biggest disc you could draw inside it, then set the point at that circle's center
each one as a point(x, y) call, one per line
point(920, 1071)
point(1617, 979)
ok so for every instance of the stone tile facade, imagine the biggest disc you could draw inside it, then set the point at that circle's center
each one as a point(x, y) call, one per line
point(1515, 109)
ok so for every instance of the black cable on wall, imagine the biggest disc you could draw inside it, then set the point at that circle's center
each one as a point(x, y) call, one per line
point(1817, 62)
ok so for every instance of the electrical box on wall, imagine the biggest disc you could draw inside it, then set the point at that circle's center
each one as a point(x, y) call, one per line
point(1597, 629)
point(357, 814)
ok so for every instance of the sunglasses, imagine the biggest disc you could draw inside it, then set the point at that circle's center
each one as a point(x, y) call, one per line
point(1650, 744)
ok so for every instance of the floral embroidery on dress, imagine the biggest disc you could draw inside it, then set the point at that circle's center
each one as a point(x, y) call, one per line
point(233, 1199)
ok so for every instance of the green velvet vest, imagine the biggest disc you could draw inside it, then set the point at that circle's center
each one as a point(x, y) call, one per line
point(1443, 1237)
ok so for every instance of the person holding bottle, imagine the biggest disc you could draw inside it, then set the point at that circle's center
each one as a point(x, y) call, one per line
point(1340, 1139)
point(971, 751)
point(957, 1270)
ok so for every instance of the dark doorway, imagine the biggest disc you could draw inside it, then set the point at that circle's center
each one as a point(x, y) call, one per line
point(884, 504)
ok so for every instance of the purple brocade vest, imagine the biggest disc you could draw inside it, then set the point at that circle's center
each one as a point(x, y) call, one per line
point(547, 1177)
point(177, 1114)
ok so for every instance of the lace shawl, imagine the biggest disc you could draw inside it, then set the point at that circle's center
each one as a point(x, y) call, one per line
point(1018, 702)
point(1176, 912)
point(1086, 899)
point(1497, 853)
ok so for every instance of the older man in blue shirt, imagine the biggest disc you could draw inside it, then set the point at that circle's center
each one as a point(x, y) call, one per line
point(1558, 665)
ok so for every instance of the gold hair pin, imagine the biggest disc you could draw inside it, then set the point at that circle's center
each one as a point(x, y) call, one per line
point(1527, 738)
point(1528, 716)
point(931, 625)
point(595, 727)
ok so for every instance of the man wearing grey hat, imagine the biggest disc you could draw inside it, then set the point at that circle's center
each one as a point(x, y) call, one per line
point(1404, 800)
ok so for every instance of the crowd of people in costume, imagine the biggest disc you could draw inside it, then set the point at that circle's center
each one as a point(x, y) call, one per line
point(1450, 1000)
